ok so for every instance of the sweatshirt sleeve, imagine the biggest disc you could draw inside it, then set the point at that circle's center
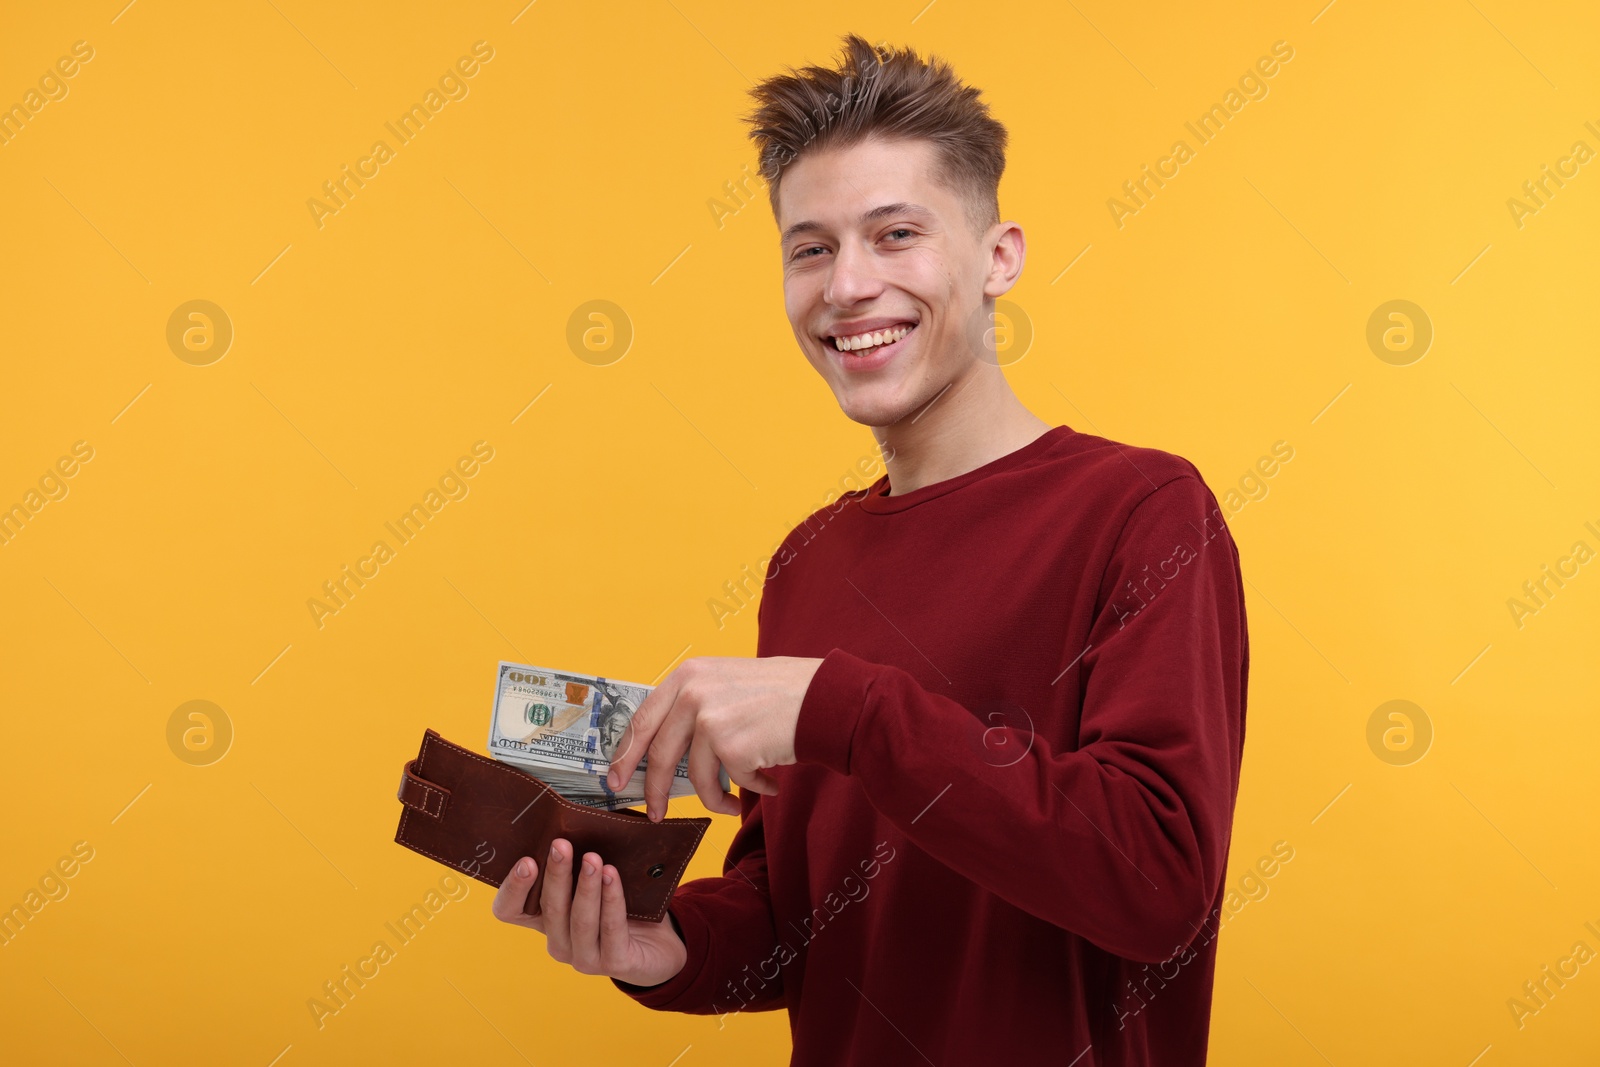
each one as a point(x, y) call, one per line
point(726, 925)
point(1122, 837)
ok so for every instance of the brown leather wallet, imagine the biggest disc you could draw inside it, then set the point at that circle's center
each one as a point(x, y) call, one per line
point(479, 816)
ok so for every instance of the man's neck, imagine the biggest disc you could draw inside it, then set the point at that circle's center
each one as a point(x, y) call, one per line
point(975, 421)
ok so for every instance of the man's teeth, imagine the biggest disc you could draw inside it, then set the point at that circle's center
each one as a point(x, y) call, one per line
point(870, 340)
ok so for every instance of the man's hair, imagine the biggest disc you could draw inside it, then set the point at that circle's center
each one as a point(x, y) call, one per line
point(888, 93)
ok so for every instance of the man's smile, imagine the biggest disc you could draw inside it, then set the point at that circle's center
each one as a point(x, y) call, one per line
point(864, 333)
point(868, 344)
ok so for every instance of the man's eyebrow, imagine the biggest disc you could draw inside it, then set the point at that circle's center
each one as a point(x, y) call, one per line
point(879, 212)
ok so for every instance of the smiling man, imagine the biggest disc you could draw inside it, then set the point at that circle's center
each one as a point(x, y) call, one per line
point(989, 747)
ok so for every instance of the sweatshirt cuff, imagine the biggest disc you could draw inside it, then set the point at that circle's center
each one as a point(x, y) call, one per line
point(696, 940)
point(832, 709)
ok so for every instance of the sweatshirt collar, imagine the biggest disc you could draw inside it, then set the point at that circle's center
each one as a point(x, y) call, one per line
point(878, 501)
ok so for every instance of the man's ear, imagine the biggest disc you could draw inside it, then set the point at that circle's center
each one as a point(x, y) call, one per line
point(1008, 250)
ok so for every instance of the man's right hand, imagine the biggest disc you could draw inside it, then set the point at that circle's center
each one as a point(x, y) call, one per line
point(590, 929)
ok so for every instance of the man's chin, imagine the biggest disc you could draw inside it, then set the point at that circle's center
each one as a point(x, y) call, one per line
point(879, 408)
point(876, 414)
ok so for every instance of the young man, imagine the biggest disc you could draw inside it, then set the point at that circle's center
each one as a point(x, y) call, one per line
point(989, 748)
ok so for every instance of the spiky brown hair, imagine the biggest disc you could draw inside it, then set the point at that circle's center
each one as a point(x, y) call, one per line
point(877, 91)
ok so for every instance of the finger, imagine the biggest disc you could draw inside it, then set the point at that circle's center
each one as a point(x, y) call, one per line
point(641, 729)
point(671, 742)
point(584, 927)
point(757, 781)
point(555, 900)
point(614, 936)
point(511, 900)
point(703, 768)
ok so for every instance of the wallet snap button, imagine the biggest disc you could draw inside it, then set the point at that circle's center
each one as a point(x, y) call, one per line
point(657, 871)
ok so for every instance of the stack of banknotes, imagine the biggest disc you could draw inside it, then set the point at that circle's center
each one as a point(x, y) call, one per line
point(564, 728)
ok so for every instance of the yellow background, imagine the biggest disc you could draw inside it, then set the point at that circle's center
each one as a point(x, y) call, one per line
point(1226, 315)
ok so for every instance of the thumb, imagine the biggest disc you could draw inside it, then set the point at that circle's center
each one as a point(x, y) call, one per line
point(512, 896)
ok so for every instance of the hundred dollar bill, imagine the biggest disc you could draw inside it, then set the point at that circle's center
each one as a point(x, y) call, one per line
point(564, 728)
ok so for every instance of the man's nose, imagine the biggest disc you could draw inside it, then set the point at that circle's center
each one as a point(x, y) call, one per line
point(852, 278)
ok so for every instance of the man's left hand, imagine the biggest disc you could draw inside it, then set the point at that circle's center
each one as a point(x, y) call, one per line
point(738, 712)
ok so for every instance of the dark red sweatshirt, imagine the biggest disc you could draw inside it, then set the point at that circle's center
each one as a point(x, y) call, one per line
point(1005, 837)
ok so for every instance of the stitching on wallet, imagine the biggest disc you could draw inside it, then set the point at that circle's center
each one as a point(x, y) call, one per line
point(430, 792)
point(644, 916)
point(501, 768)
point(698, 827)
point(700, 831)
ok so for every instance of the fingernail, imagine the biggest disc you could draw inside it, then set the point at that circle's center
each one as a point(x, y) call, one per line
point(555, 857)
point(606, 877)
point(524, 867)
point(612, 780)
point(588, 868)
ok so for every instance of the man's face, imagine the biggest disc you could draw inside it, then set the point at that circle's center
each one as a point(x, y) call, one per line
point(890, 249)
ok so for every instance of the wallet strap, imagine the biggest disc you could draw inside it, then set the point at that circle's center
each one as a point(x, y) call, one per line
point(419, 794)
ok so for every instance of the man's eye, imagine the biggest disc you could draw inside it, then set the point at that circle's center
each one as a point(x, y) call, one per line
point(901, 229)
point(804, 252)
